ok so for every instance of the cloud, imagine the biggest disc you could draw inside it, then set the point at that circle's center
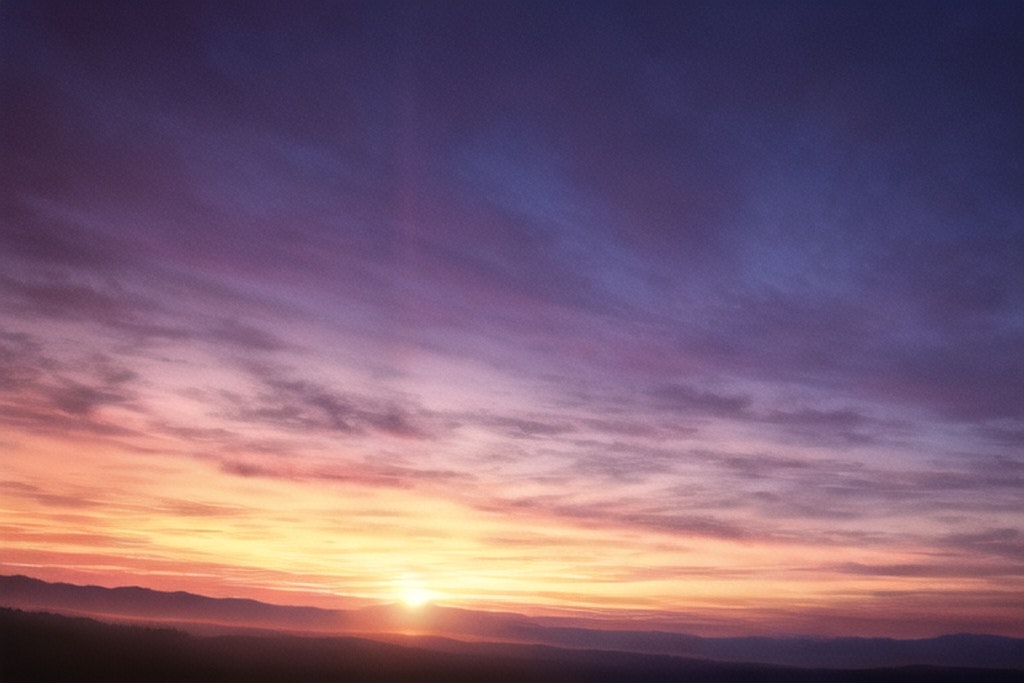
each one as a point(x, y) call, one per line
point(144, 314)
point(971, 378)
point(619, 461)
point(244, 336)
point(248, 469)
point(49, 499)
point(999, 541)
point(59, 396)
point(851, 489)
point(191, 508)
point(816, 425)
point(30, 235)
point(300, 405)
point(637, 427)
point(355, 472)
point(521, 427)
point(75, 301)
point(21, 360)
point(616, 512)
point(842, 427)
point(689, 400)
point(949, 569)
point(43, 420)
point(845, 419)
point(1008, 436)
point(80, 399)
point(762, 465)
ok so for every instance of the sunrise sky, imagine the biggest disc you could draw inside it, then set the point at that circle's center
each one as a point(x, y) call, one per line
point(698, 314)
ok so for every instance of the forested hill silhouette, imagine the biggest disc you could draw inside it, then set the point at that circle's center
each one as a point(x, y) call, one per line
point(44, 648)
point(196, 613)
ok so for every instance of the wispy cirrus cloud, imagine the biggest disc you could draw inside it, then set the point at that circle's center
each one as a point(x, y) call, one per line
point(31, 235)
point(935, 570)
point(299, 404)
point(47, 395)
point(690, 400)
point(44, 497)
point(359, 473)
point(1005, 542)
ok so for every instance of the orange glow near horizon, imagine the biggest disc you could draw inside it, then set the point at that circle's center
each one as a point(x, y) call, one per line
point(185, 526)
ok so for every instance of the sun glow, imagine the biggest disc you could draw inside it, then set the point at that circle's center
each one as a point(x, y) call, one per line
point(416, 596)
point(412, 592)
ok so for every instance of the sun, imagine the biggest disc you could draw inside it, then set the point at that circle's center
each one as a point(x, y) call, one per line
point(412, 591)
point(416, 596)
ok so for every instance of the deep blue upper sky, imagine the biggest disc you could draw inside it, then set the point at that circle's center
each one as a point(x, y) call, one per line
point(823, 189)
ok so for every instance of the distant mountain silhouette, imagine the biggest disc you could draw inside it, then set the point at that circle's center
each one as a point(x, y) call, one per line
point(144, 603)
point(446, 628)
point(44, 648)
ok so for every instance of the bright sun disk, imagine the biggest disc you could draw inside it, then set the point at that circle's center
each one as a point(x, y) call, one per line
point(415, 596)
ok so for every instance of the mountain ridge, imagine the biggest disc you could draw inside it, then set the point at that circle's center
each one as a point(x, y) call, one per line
point(964, 649)
point(43, 647)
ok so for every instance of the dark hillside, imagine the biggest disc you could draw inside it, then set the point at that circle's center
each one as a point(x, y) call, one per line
point(40, 647)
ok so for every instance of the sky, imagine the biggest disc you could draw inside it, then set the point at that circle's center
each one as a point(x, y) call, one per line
point(698, 315)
